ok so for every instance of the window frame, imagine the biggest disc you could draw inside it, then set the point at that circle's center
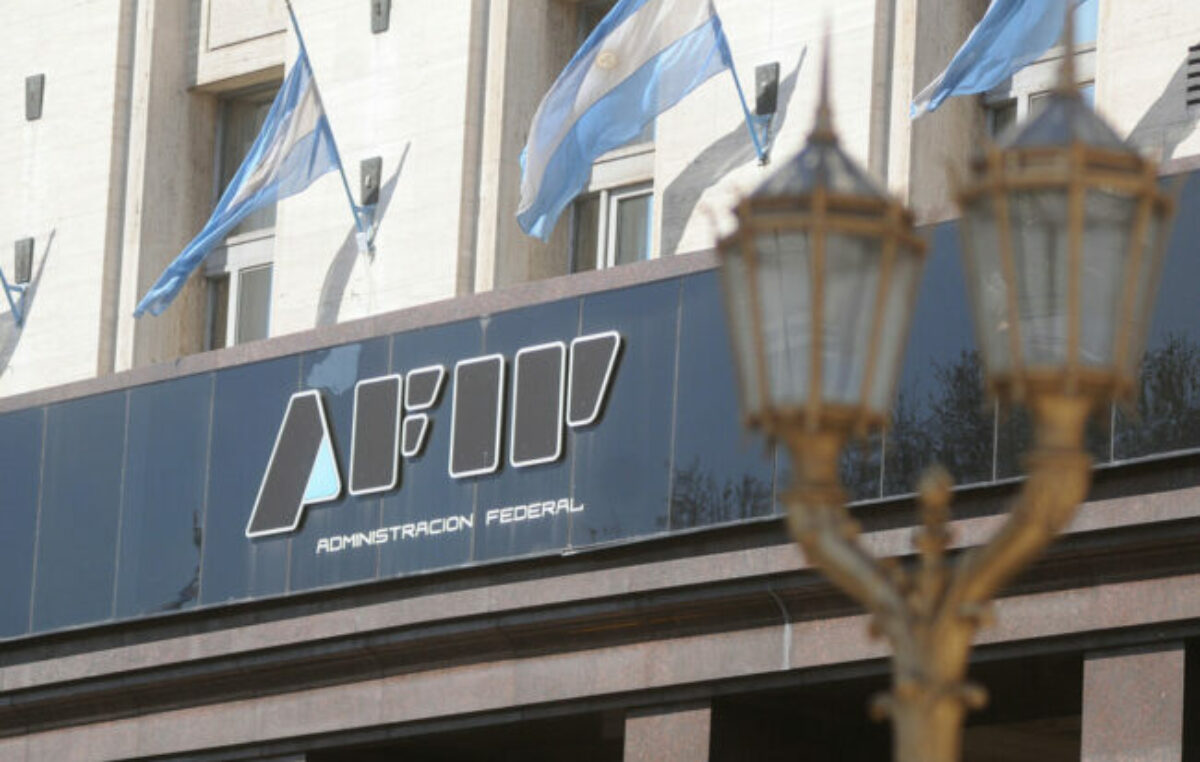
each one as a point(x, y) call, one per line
point(606, 234)
point(248, 251)
point(1039, 78)
point(609, 220)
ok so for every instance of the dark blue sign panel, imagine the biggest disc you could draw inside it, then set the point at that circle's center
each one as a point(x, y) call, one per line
point(610, 417)
point(447, 446)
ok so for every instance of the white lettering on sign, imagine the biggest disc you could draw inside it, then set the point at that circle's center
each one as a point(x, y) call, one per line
point(395, 533)
point(534, 511)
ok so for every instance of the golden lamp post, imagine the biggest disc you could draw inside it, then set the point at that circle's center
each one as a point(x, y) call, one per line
point(1064, 231)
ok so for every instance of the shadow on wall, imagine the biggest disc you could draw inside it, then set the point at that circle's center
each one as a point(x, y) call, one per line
point(333, 288)
point(10, 333)
point(717, 160)
point(1168, 122)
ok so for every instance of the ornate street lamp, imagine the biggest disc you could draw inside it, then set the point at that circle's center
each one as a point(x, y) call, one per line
point(820, 281)
point(1065, 229)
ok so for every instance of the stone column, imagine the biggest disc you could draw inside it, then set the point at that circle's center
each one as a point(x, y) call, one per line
point(668, 734)
point(1133, 705)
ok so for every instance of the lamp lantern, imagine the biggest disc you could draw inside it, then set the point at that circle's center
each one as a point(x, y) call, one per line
point(1064, 233)
point(820, 280)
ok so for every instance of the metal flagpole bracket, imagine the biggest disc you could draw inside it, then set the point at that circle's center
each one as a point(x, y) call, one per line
point(35, 89)
point(370, 173)
point(370, 177)
point(364, 237)
point(23, 269)
point(766, 101)
point(380, 11)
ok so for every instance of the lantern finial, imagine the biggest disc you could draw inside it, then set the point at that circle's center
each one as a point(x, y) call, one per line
point(823, 124)
point(1066, 73)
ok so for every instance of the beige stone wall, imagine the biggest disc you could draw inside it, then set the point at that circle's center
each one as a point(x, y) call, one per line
point(402, 96)
point(118, 175)
point(63, 175)
point(529, 42)
point(704, 158)
point(169, 190)
point(1141, 73)
point(929, 32)
point(234, 41)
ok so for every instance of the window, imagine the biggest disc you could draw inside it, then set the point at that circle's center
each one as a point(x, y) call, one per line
point(239, 272)
point(1026, 93)
point(591, 14)
point(612, 227)
point(613, 223)
point(245, 294)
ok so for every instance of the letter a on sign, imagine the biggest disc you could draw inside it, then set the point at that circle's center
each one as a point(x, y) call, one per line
point(302, 471)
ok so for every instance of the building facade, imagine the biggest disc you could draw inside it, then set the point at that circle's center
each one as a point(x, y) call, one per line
point(470, 495)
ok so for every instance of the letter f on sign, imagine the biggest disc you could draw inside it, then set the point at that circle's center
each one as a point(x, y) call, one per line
point(302, 471)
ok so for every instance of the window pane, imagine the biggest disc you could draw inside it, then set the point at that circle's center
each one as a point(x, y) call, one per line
point(218, 311)
point(591, 14)
point(587, 234)
point(1086, 19)
point(1038, 102)
point(1088, 93)
point(243, 119)
point(1000, 116)
point(253, 303)
point(633, 219)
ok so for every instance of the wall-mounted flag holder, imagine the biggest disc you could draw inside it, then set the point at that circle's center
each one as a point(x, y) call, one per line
point(370, 176)
point(22, 272)
point(766, 99)
point(381, 10)
point(35, 89)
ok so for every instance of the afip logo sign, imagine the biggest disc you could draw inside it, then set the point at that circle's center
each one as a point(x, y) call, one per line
point(550, 384)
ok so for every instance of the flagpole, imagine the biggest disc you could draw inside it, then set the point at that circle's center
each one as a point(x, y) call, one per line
point(727, 55)
point(745, 109)
point(758, 146)
point(355, 209)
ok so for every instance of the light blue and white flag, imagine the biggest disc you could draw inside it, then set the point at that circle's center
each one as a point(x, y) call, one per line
point(294, 148)
point(642, 58)
point(1011, 35)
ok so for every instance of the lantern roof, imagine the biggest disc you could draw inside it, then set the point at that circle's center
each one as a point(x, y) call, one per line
point(822, 163)
point(1066, 119)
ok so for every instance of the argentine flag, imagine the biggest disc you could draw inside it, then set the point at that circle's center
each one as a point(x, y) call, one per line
point(1011, 35)
point(638, 62)
point(294, 148)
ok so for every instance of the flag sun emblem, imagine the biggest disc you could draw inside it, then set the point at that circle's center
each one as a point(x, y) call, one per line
point(606, 60)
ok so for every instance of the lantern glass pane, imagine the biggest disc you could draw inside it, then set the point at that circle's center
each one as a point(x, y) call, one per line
point(784, 282)
point(989, 290)
point(897, 315)
point(1107, 230)
point(852, 272)
point(1039, 238)
point(741, 327)
point(1149, 269)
